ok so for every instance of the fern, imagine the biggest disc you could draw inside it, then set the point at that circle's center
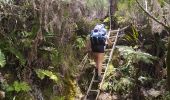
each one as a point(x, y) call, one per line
point(2, 59)
point(132, 38)
point(122, 85)
point(18, 55)
point(130, 53)
point(42, 73)
point(19, 87)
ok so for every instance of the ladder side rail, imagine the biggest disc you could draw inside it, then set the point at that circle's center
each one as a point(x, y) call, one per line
point(90, 84)
point(122, 29)
point(84, 60)
point(111, 53)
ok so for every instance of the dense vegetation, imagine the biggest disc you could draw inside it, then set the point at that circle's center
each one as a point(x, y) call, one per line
point(42, 43)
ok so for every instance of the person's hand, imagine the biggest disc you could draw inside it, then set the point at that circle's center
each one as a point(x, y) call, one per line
point(108, 46)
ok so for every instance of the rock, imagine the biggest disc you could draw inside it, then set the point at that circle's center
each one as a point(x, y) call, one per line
point(154, 92)
point(105, 96)
point(114, 97)
point(2, 95)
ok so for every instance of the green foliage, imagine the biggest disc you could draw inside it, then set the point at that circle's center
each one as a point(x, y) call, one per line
point(135, 33)
point(2, 59)
point(22, 96)
point(162, 2)
point(18, 55)
point(19, 34)
point(144, 79)
point(132, 38)
point(79, 43)
point(58, 98)
point(6, 1)
point(166, 96)
point(106, 20)
point(114, 84)
point(54, 54)
point(121, 79)
point(135, 56)
point(55, 57)
point(9, 48)
point(19, 87)
point(123, 85)
point(97, 4)
point(67, 1)
point(42, 73)
point(125, 10)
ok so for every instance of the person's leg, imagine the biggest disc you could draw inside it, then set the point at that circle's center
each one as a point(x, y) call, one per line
point(100, 57)
point(99, 60)
point(95, 57)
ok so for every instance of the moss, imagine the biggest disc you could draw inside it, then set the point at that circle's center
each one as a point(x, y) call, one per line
point(70, 89)
point(24, 96)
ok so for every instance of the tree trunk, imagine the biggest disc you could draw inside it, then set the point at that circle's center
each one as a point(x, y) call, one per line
point(113, 7)
point(168, 65)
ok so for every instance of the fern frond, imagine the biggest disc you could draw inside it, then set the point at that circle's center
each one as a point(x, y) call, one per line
point(2, 59)
point(42, 73)
point(19, 87)
point(136, 56)
point(18, 55)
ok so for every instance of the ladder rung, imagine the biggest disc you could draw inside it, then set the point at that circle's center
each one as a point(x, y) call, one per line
point(95, 81)
point(108, 49)
point(112, 40)
point(112, 37)
point(114, 31)
point(94, 90)
point(104, 67)
point(106, 56)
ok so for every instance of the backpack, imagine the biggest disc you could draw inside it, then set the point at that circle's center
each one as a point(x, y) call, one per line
point(98, 35)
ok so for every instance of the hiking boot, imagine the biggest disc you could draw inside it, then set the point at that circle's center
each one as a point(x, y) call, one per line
point(96, 74)
point(99, 78)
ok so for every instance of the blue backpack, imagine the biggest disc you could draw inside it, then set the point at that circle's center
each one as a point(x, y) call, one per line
point(98, 35)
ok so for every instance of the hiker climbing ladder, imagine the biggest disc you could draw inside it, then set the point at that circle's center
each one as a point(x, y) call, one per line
point(94, 92)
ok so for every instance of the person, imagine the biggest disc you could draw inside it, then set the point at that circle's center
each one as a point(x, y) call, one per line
point(98, 41)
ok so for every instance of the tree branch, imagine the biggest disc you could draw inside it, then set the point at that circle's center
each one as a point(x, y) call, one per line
point(166, 27)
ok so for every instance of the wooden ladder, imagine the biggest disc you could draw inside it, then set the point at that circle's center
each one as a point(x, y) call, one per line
point(94, 88)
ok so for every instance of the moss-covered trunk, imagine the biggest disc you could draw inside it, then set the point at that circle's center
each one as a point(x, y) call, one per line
point(168, 64)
